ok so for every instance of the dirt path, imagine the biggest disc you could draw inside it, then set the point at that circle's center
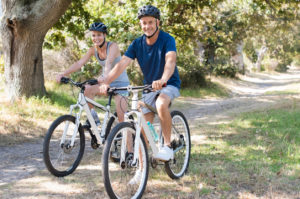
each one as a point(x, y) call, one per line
point(248, 94)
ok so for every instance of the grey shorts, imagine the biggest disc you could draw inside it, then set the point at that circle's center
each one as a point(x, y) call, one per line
point(120, 84)
point(150, 98)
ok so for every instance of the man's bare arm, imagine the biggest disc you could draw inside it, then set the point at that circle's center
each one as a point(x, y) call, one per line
point(168, 70)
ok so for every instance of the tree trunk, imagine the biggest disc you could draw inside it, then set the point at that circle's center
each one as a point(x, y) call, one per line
point(238, 58)
point(199, 51)
point(23, 27)
point(260, 56)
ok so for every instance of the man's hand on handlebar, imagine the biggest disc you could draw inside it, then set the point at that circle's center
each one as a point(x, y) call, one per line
point(158, 84)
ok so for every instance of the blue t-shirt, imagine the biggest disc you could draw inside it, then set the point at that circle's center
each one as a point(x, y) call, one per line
point(151, 58)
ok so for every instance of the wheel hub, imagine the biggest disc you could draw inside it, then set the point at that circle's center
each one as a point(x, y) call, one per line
point(67, 148)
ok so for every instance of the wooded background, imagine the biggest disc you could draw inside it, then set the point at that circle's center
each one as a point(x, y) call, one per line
point(216, 37)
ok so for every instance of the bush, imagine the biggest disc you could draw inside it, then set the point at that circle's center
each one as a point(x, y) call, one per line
point(90, 70)
point(281, 68)
point(249, 49)
point(191, 72)
point(224, 67)
point(135, 74)
point(284, 61)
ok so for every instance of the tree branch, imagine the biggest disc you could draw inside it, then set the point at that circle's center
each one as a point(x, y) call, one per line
point(47, 12)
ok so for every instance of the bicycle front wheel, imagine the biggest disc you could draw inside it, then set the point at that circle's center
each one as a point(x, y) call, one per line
point(60, 158)
point(113, 121)
point(181, 145)
point(122, 179)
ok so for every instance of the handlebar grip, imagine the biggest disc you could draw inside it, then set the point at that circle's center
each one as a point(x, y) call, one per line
point(64, 80)
point(92, 82)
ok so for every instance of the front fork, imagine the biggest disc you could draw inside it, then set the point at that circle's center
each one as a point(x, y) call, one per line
point(124, 142)
point(75, 130)
point(136, 147)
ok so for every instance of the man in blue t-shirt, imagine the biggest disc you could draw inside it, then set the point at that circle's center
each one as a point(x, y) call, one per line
point(155, 52)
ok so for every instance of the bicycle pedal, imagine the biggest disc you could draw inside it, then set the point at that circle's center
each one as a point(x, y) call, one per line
point(94, 143)
point(95, 146)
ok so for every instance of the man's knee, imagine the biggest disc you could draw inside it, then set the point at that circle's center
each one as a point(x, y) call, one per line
point(149, 116)
point(163, 101)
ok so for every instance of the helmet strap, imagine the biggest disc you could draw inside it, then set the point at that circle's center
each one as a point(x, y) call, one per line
point(154, 32)
point(101, 45)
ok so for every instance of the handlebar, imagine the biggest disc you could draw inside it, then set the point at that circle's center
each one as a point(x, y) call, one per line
point(66, 80)
point(145, 88)
point(112, 90)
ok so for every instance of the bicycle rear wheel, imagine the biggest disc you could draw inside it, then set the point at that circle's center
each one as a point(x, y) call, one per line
point(120, 178)
point(60, 158)
point(112, 122)
point(181, 145)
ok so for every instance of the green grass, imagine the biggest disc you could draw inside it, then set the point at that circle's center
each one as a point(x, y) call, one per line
point(285, 92)
point(212, 90)
point(64, 95)
point(255, 152)
point(29, 118)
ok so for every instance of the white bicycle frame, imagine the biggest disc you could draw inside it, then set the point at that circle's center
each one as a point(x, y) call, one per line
point(140, 122)
point(83, 105)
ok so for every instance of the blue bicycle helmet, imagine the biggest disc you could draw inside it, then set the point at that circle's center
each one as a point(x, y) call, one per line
point(149, 10)
point(98, 26)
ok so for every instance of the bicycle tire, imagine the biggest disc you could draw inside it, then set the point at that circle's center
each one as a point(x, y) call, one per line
point(111, 171)
point(51, 139)
point(110, 125)
point(182, 156)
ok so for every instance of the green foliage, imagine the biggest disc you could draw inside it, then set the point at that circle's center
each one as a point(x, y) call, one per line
point(250, 50)
point(220, 26)
point(224, 67)
point(191, 71)
point(90, 70)
point(72, 24)
point(281, 68)
point(55, 40)
point(210, 90)
point(135, 75)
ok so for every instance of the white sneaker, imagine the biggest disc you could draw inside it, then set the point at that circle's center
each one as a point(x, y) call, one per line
point(164, 154)
point(136, 178)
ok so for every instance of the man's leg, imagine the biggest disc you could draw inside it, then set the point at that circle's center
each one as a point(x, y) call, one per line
point(162, 105)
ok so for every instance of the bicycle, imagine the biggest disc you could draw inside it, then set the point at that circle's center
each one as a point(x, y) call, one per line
point(117, 175)
point(64, 142)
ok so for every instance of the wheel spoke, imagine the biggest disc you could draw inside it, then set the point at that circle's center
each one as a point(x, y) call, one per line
point(118, 177)
point(180, 142)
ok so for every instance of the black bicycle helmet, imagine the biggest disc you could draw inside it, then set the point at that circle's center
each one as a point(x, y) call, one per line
point(98, 26)
point(149, 10)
